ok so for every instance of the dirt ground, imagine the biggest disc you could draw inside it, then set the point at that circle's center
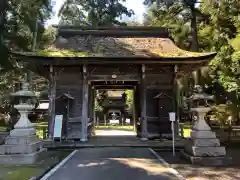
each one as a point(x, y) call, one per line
point(191, 172)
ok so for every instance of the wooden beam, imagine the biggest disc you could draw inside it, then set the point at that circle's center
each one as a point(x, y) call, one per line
point(126, 77)
point(52, 97)
point(114, 31)
point(144, 131)
point(84, 120)
point(116, 28)
point(160, 87)
point(114, 87)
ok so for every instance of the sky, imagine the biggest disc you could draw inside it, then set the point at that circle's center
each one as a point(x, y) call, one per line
point(138, 8)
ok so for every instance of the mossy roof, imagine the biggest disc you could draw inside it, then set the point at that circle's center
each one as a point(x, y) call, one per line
point(117, 47)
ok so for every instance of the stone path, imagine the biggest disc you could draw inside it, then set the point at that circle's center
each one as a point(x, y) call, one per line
point(113, 132)
point(112, 164)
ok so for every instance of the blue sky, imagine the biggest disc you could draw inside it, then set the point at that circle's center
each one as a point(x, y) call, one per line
point(131, 4)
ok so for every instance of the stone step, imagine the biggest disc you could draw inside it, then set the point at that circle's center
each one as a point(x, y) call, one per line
point(206, 151)
point(15, 140)
point(20, 149)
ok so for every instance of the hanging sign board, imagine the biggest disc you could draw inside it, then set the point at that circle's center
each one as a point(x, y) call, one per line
point(58, 126)
point(172, 116)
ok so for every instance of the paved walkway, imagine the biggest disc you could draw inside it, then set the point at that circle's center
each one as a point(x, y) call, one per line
point(114, 132)
point(112, 164)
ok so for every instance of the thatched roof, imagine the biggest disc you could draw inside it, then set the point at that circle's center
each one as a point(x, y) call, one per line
point(116, 43)
point(122, 47)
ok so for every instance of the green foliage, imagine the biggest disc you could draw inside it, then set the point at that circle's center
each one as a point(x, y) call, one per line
point(93, 12)
point(20, 22)
point(218, 26)
point(129, 100)
point(179, 16)
point(227, 113)
point(99, 99)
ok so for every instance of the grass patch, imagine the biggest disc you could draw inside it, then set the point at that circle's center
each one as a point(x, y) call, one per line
point(3, 129)
point(25, 172)
point(186, 128)
point(186, 132)
point(41, 129)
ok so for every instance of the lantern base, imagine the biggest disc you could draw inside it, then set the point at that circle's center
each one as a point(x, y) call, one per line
point(23, 132)
point(207, 161)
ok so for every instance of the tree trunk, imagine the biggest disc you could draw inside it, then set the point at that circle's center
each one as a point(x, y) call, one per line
point(3, 9)
point(194, 45)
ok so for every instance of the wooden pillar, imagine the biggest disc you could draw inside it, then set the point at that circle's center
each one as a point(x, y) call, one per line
point(93, 106)
point(84, 119)
point(52, 97)
point(134, 109)
point(90, 98)
point(105, 119)
point(144, 131)
point(175, 101)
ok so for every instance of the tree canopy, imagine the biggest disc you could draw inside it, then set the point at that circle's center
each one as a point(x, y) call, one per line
point(93, 12)
point(217, 28)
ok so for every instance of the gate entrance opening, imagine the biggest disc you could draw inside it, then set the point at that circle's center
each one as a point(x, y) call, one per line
point(115, 108)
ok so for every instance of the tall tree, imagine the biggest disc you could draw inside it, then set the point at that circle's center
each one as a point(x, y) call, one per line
point(217, 29)
point(4, 63)
point(17, 26)
point(93, 12)
point(180, 11)
point(223, 32)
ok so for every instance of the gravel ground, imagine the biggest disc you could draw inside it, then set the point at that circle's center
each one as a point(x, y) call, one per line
point(191, 172)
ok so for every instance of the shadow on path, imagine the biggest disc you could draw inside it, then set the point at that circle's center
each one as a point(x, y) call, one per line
point(113, 164)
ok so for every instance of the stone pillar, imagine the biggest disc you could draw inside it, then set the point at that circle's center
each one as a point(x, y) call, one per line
point(52, 97)
point(84, 119)
point(144, 131)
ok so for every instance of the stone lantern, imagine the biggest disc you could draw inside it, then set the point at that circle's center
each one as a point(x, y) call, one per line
point(26, 103)
point(22, 146)
point(204, 148)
